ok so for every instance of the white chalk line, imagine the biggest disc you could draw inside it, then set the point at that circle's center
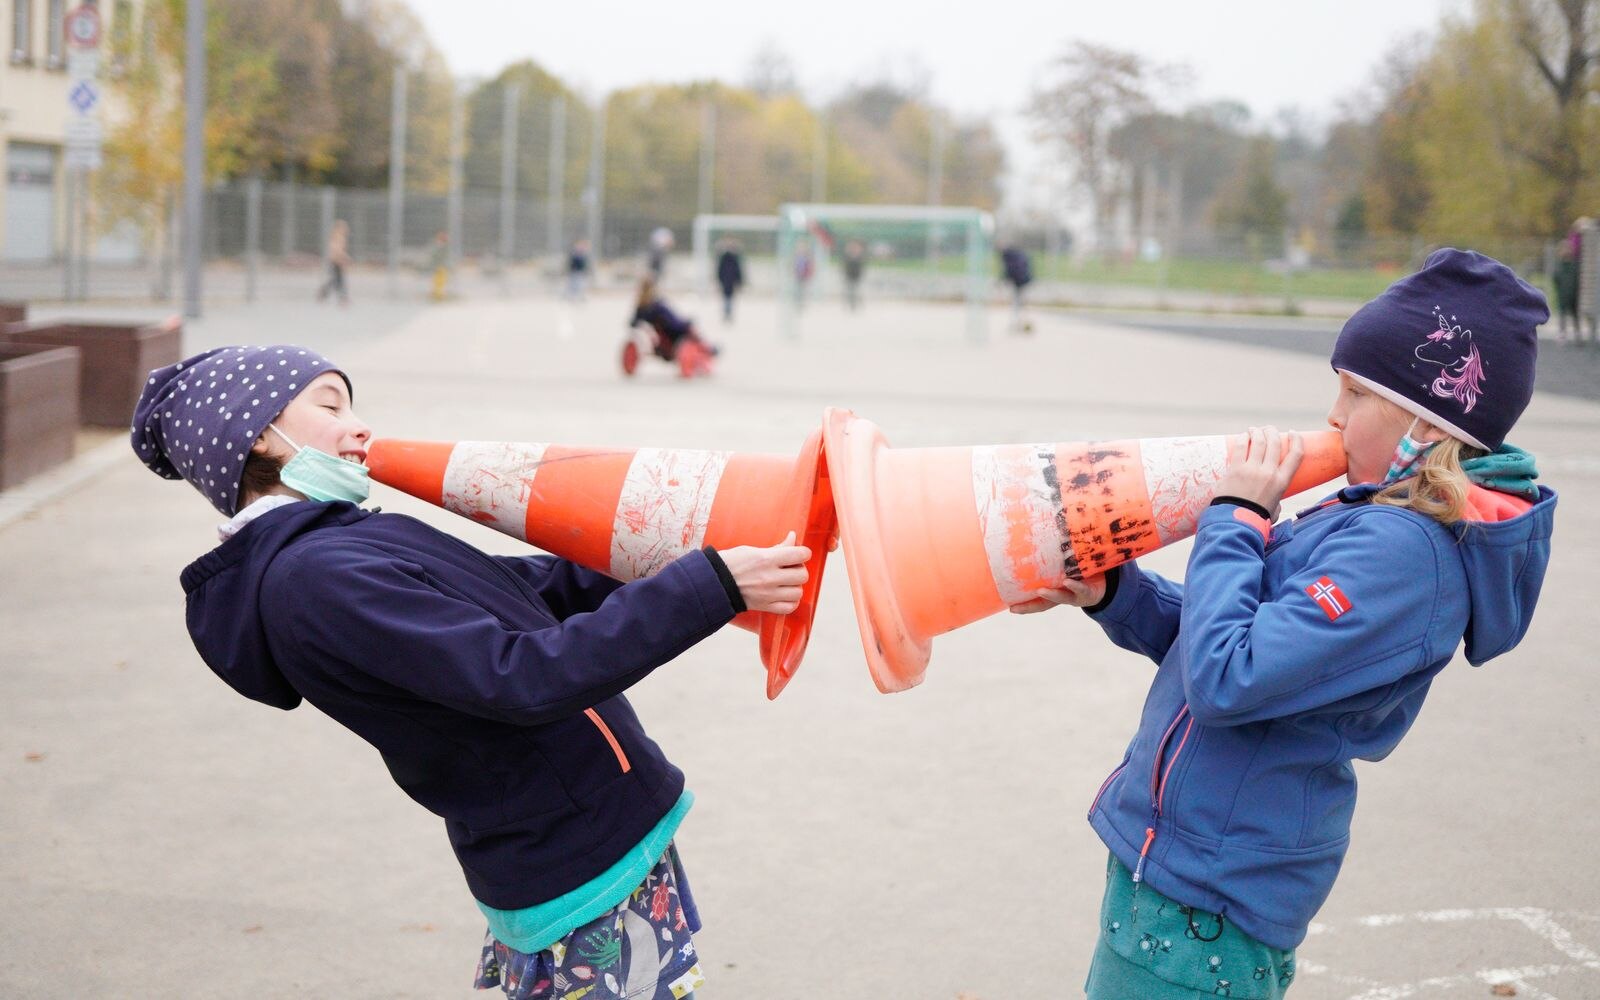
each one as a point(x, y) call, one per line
point(1537, 921)
point(1483, 977)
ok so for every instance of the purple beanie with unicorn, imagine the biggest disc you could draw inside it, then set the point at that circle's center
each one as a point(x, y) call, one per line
point(1455, 343)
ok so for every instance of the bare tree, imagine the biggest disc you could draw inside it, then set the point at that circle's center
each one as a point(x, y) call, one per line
point(1091, 90)
point(1559, 37)
point(771, 72)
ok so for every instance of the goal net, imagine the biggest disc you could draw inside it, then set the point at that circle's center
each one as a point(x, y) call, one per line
point(933, 253)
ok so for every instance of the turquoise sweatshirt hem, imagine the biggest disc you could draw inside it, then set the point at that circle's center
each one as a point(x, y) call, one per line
point(535, 928)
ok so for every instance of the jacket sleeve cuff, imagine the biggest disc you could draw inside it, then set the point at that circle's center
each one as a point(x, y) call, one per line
point(725, 577)
point(1225, 513)
point(1120, 594)
point(1113, 582)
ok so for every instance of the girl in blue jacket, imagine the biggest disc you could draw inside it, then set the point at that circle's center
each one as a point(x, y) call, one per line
point(492, 686)
point(1293, 649)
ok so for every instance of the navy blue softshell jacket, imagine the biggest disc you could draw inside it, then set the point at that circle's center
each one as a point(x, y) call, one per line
point(492, 686)
point(1284, 657)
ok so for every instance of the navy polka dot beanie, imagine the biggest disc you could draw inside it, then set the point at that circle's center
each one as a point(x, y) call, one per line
point(197, 419)
point(1456, 344)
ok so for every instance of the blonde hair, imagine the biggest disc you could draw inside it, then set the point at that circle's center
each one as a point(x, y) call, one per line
point(1439, 488)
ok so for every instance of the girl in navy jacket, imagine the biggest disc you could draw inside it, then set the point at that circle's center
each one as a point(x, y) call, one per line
point(492, 686)
point(1292, 649)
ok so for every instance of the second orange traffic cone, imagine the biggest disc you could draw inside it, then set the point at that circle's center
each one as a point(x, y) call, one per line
point(937, 538)
point(629, 512)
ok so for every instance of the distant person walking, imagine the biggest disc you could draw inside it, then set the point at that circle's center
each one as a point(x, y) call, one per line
point(855, 265)
point(1018, 272)
point(338, 259)
point(804, 268)
point(440, 263)
point(577, 271)
point(730, 275)
point(1566, 282)
point(661, 243)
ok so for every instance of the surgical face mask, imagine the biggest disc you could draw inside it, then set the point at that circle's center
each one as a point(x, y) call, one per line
point(321, 476)
point(1407, 453)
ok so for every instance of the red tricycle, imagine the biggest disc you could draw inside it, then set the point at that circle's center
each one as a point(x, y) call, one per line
point(691, 354)
point(657, 329)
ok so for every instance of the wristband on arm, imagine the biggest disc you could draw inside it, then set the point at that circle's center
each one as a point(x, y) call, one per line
point(725, 575)
point(1249, 505)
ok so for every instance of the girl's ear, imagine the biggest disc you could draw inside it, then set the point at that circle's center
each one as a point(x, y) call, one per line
point(260, 447)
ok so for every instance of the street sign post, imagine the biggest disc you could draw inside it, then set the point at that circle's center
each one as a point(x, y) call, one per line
point(83, 27)
point(84, 138)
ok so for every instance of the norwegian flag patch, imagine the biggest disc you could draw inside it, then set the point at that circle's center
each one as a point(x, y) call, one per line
point(1329, 598)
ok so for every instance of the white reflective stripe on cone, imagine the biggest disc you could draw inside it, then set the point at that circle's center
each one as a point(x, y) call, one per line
point(1019, 512)
point(1181, 476)
point(664, 508)
point(491, 481)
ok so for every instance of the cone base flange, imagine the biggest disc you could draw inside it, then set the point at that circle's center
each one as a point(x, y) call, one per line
point(896, 658)
point(809, 507)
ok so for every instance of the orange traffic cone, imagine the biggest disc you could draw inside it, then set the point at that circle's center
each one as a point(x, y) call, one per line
point(937, 538)
point(627, 513)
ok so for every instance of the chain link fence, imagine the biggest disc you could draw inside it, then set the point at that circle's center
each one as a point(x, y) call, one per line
point(267, 239)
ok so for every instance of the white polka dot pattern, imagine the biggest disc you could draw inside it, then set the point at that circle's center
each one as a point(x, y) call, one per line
point(181, 413)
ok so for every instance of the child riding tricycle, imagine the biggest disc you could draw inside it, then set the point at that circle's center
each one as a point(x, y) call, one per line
point(670, 337)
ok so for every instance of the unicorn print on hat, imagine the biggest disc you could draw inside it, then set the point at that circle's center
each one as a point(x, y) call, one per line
point(1451, 348)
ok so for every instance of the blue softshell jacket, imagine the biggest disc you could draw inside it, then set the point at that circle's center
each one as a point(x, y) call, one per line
point(1282, 659)
point(492, 686)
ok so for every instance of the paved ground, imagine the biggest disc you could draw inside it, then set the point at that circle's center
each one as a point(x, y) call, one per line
point(161, 836)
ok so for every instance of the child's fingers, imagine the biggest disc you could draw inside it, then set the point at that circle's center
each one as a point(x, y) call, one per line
point(1032, 607)
point(1070, 592)
point(784, 564)
point(1073, 593)
point(791, 555)
point(1253, 445)
point(1274, 446)
point(1294, 454)
point(780, 601)
point(790, 576)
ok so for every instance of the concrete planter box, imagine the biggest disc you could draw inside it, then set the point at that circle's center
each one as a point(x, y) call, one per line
point(12, 312)
point(117, 360)
point(38, 408)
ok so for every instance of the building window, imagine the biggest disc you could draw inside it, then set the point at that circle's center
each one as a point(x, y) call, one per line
point(56, 34)
point(22, 31)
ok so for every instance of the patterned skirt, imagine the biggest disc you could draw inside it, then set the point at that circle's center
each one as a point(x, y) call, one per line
point(1153, 948)
point(641, 949)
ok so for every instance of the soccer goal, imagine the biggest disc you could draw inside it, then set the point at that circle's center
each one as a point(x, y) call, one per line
point(926, 252)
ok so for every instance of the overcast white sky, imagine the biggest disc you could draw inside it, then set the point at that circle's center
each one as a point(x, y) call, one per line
point(981, 57)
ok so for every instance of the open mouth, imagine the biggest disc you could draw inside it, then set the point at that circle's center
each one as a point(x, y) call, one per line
point(355, 457)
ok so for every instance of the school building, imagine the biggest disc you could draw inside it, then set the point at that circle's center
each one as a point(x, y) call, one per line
point(34, 112)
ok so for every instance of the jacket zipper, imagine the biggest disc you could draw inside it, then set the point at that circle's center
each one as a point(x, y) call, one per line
point(1106, 784)
point(616, 748)
point(1158, 783)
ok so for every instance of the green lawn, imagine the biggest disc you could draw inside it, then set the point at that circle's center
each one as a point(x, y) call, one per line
point(1221, 276)
point(1225, 276)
